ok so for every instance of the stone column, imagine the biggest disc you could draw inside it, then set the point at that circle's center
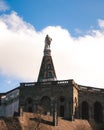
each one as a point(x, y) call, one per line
point(91, 112)
point(21, 110)
point(55, 114)
point(67, 109)
point(51, 112)
point(36, 103)
point(71, 108)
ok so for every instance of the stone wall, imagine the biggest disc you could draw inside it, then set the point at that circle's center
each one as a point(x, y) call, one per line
point(46, 93)
point(93, 100)
point(73, 101)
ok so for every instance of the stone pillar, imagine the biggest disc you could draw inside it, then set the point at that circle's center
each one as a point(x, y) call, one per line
point(51, 112)
point(80, 111)
point(35, 108)
point(67, 109)
point(91, 113)
point(55, 114)
point(71, 110)
point(36, 103)
point(21, 110)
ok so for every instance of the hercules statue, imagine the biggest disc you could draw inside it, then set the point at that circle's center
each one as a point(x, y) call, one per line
point(47, 42)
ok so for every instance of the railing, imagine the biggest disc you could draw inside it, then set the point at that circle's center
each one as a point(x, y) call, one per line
point(91, 89)
point(58, 82)
point(27, 84)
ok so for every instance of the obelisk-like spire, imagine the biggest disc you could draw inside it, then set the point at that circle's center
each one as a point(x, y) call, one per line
point(47, 71)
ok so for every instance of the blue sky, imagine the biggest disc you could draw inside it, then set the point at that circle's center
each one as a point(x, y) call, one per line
point(69, 14)
point(77, 30)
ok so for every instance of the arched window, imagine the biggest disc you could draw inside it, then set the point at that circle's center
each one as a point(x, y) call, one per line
point(45, 103)
point(62, 107)
point(29, 100)
point(98, 112)
point(62, 110)
point(49, 74)
point(49, 66)
point(29, 104)
point(85, 110)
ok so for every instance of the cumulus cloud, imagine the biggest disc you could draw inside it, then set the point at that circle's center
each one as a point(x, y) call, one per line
point(78, 31)
point(101, 23)
point(18, 46)
point(78, 58)
point(3, 6)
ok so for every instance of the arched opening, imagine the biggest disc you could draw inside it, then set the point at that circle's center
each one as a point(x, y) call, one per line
point(29, 104)
point(98, 112)
point(49, 75)
point(85, 110)
point(30, 109)
point(45, 103)
point(61, 109)
point(49, 66)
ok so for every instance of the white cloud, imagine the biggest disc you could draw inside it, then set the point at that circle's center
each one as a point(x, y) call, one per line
point(78, 31)
point(3, 6)
point(21, 51)
point(101, 23)
point(18, 47)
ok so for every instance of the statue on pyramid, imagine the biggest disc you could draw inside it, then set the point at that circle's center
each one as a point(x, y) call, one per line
point(47, 42)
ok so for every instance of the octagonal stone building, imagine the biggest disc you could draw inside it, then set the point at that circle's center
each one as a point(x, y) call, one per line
point(73, 100)
point(68, 99)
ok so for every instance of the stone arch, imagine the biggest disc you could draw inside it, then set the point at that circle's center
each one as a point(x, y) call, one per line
point(62, 106)
point(45, 103)
point(98, 112)
point(85, 110)
point(29, 104)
